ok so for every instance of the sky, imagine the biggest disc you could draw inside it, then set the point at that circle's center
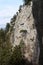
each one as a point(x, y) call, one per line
point(7, 9)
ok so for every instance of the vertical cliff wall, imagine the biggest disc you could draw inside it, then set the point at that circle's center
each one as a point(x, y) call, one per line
point(24, 29)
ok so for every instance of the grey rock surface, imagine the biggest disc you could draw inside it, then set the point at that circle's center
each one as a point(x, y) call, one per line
point(25, 22)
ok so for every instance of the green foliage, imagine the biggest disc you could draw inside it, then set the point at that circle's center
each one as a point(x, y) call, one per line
point(7, 56)
point(5, 53)
point(20, 8)
point(27, 1)
point(13, 19)
point(2, 35)
point(13, 22)
point(7, 27)
point(5, 48)
point(16, 57)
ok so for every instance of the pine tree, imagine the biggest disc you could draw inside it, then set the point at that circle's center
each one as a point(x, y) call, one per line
point(26, 1)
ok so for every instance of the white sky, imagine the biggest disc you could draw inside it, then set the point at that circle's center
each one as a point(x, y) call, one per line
point(7, 9)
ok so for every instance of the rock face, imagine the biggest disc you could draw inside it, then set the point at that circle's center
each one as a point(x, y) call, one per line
point(24, 29)
point(37, 10)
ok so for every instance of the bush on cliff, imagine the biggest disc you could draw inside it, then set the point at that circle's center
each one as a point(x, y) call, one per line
point(26, 2)
point(16, 57)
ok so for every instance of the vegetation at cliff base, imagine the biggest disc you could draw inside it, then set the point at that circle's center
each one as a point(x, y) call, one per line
point(9, 56)
point(5, 48)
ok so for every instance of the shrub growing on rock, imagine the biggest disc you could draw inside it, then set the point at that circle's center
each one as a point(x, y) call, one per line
point(26, 2)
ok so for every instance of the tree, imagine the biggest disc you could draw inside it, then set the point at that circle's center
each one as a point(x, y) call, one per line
point(5, 48)
point(2, 35)
point(5, 54)
point(13, 19)
point(26, 2)
point(16, 57)
point(7, 27)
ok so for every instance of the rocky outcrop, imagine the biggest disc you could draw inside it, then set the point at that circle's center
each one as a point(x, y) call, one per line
point(24, 29)
point(37, 10)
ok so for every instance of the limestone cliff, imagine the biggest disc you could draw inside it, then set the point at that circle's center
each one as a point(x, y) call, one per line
point(24, 29)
